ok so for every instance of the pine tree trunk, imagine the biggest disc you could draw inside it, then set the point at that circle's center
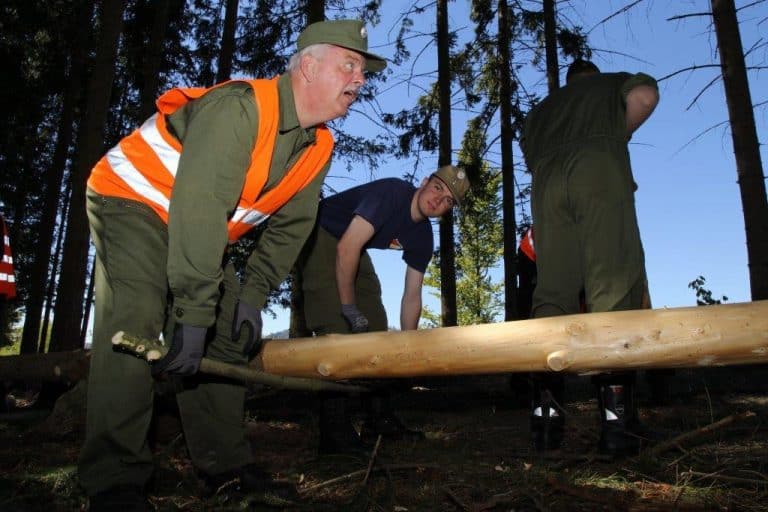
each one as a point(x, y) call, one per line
point(227, 42)
point(152, 61)
point(447, 249)
point(507, 166)
point(746, 147)
point(68, 313)
point(550, 46)
point(39, 275)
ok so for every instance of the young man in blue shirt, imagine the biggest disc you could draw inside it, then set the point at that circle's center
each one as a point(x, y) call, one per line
point(340, 288)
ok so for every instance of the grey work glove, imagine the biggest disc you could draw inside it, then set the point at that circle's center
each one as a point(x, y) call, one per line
point(184, 354)
point(356, 320)
point(249, 317)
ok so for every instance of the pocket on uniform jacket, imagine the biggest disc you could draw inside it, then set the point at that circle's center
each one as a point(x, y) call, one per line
point(134, 243)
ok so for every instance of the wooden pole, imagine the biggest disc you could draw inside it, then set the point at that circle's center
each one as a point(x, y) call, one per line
point(153, 349)
point(716, 335)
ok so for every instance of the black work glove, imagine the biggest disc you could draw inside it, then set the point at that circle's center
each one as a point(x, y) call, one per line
point(249, 317)
point(184, 354)
point(356, 320)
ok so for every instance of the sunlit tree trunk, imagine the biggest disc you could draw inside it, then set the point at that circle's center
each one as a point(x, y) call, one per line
point(746, 147)
point(68, 312)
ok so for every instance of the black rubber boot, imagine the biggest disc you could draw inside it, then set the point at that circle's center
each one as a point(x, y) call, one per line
point(337, 434)
point(618, 414)
point(382, 420)
point(547, 415)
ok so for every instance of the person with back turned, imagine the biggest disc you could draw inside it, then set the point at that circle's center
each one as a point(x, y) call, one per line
point(587, 236)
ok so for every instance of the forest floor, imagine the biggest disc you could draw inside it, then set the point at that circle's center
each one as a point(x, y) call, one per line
point(476, 455)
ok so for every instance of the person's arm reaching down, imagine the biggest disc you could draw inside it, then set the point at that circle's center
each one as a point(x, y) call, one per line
point(410, 305)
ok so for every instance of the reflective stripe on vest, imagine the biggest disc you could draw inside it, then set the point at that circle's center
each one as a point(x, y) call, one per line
point(7, 275)
point(143, 165)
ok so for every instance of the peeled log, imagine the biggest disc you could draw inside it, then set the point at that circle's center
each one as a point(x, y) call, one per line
point(716, 335)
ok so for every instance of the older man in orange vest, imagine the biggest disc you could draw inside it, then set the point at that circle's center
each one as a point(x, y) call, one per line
point(163, 205)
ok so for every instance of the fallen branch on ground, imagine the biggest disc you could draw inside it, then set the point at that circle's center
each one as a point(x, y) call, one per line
point(699, 432)
point(726, 478)
point(349, 476)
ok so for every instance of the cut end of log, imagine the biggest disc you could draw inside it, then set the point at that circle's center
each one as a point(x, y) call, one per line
point(57, 370)
point(559, 360)
point(118, 337)
point(152, 355)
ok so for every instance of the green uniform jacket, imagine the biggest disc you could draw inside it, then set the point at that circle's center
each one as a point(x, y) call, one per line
point(585, 225)
point(218, 132)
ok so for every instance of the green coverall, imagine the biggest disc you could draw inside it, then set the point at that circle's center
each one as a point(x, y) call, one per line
point(587, 236)
point(149, 275)
point(322, 306)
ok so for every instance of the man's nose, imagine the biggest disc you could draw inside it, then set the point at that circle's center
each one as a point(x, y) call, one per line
point(359, 77)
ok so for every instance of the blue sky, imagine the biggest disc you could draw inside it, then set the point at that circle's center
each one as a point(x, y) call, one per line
point(688, 201)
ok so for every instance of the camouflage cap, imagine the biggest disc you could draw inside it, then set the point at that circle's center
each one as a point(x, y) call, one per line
point(350, 34)
point(456, 180)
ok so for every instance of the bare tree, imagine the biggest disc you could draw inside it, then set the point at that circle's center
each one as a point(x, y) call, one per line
point(746, 147)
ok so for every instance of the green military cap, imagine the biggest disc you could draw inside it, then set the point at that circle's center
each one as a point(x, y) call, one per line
point(350, 34)
point(456, 180)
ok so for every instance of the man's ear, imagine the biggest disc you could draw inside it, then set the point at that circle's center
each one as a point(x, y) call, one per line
point(308, 67)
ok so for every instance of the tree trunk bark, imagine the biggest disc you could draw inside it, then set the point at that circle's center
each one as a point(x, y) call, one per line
point(447, 250)
point(719, 335)
point(227, 42)
point(151, 70)
point(30, 337)
point(550, 46)
point(68, 312)
point(507, 167)
point(746, 148)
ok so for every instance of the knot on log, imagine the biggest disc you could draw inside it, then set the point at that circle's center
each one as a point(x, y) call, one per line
point(575, 328)
point(559, 360)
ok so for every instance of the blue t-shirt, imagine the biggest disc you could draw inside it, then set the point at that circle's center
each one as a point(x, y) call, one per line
point(386, 204)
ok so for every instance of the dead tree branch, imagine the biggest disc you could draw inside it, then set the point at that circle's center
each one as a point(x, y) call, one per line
point(693, 434)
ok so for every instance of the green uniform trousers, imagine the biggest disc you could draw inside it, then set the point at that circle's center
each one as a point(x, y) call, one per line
point(131, 295)
point(586, 232)
point(322, 307)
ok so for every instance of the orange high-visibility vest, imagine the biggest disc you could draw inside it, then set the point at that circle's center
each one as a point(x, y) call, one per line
point(7, 275)
point(526, 244)
point(143, 165)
